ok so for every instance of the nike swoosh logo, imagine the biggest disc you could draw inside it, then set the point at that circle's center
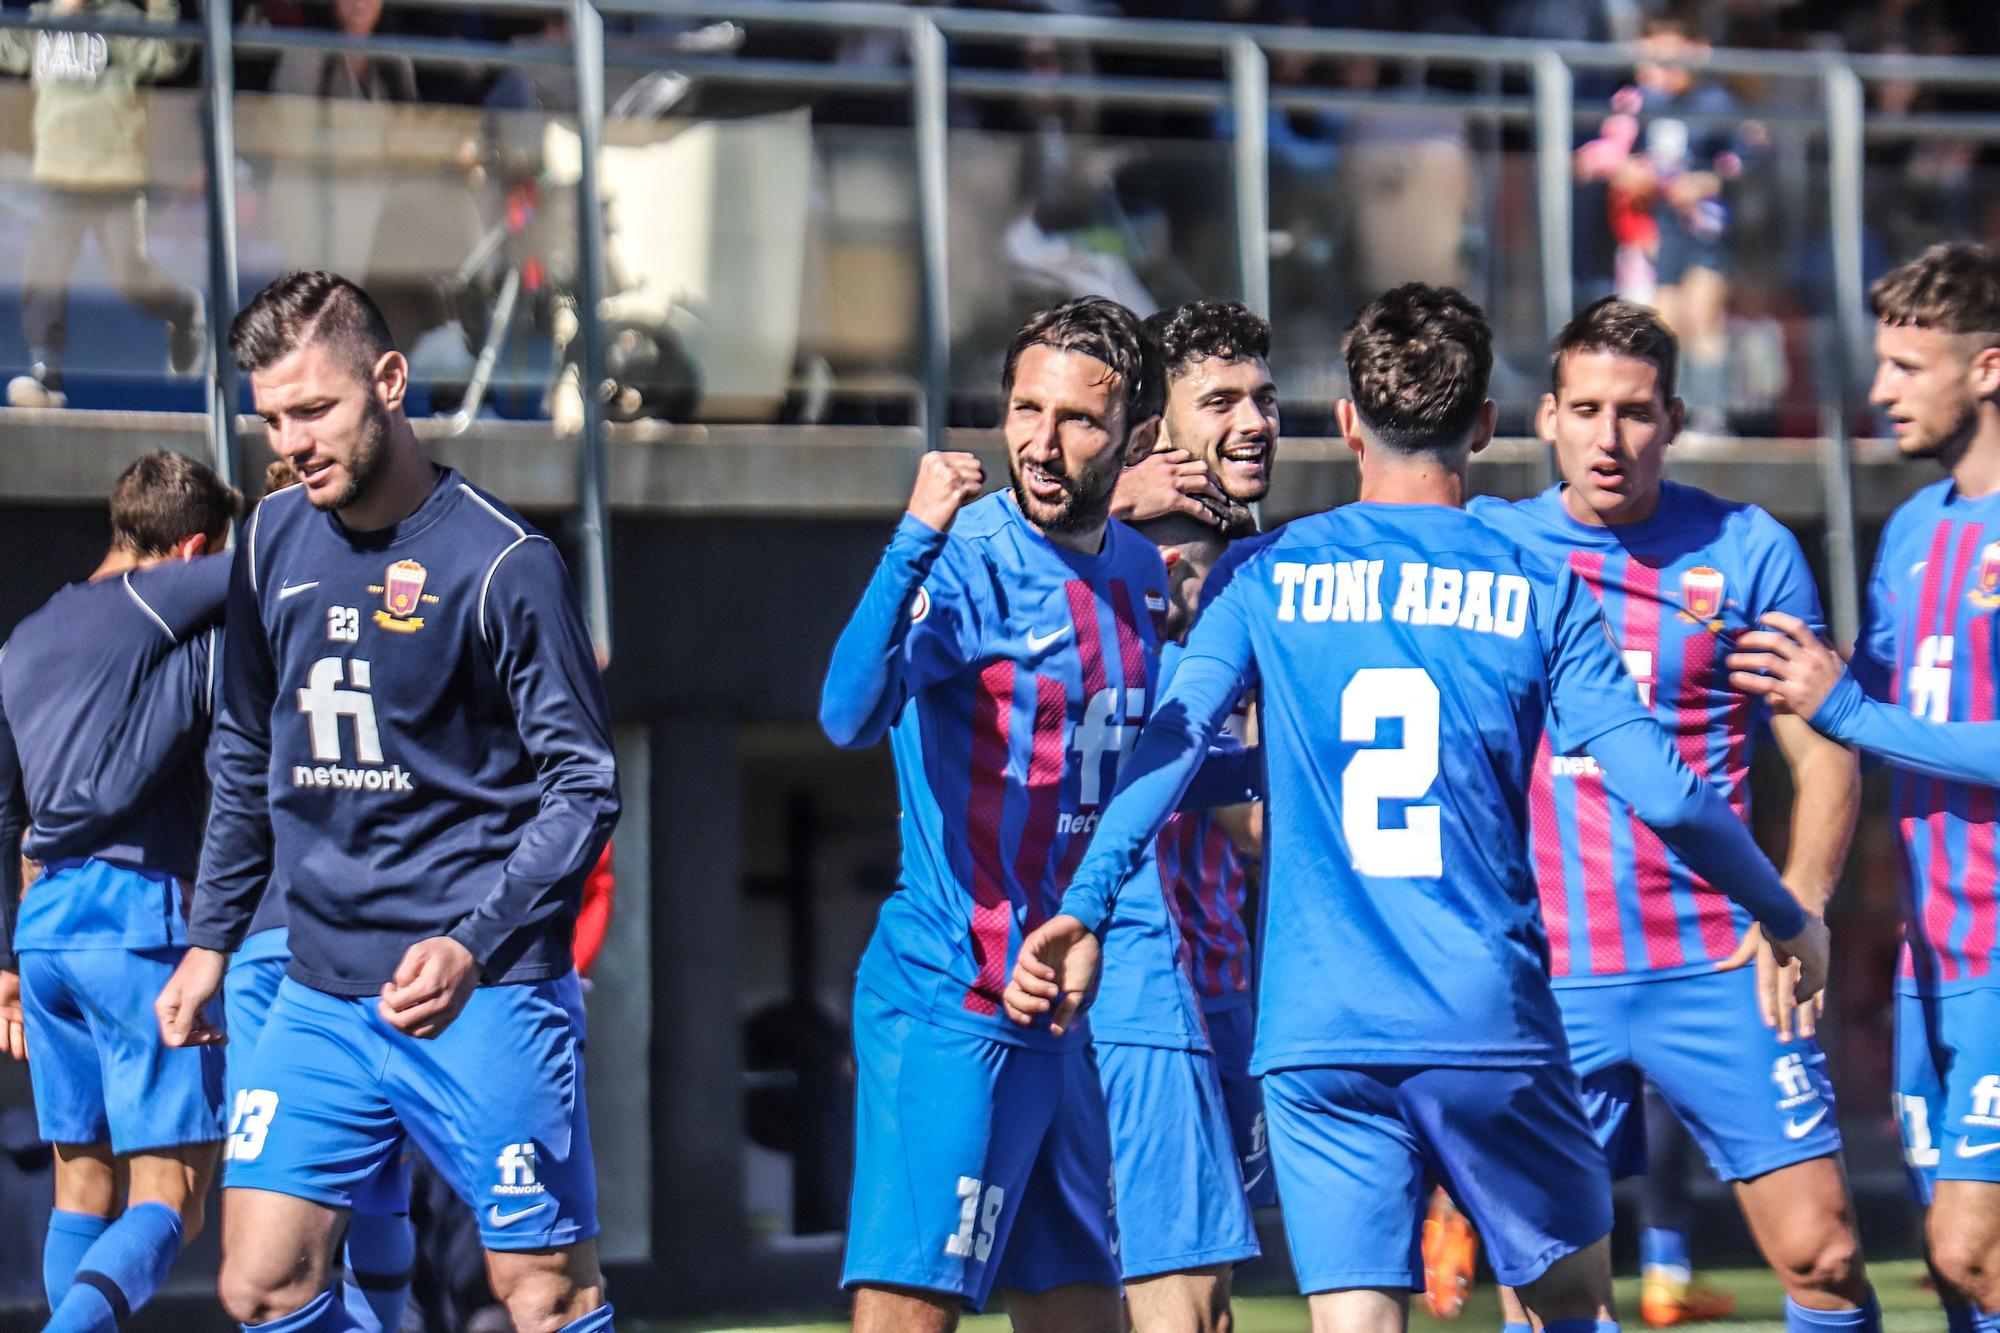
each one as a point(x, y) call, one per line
point(1037, 642)
point(1967, 1148)
point(1918, 568)
point(1798, 1129)
point(294, 589)
point(500, 1219)
point(1251, 1183)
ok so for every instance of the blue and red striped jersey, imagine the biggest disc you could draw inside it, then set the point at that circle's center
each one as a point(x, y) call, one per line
point(1012, 680)
point(1676, 589)
point(1207, 881)
point(1928, 644)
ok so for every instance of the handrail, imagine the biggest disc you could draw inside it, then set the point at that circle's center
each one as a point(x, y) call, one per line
point(1523, 83)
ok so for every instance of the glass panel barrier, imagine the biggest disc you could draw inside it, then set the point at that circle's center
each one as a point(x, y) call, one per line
point(103, 221)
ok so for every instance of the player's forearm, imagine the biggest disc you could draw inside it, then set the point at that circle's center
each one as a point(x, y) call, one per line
point(1826, 801)
point(545, 874)
point(1227, 777)
point(864, 681)
point(1691, 817)
point(1954, 751)
point(1170, 752)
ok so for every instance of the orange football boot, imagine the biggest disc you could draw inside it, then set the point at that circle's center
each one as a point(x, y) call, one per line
point(1666, 1299)
point(1451, 1248)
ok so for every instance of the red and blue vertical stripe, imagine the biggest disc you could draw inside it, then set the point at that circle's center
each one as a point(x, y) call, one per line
point(1952, 911)
point(1615, 900)
point(1206, 882)
point(1026, 828)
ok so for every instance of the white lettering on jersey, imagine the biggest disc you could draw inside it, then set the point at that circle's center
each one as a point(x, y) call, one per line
point(324, 703)
point(1102, 732)
point(1930, 679)
point(1478, 601)
point(1410, 598)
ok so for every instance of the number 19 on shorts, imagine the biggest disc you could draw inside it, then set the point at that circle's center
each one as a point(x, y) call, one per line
point(978, 1219)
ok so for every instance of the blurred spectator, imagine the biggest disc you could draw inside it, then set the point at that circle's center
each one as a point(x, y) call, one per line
point(1070, 237)
point(1409, 178)
point(91, 170)
point(335, 74)
point(1672, 171)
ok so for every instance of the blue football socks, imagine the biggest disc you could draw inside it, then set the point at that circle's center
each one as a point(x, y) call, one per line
point(1867, 1319)
point(1660, 1247)
point(597, 1321)
point(121, 1271)
point(1581, 1326)
point(381, 1252)
point(70, 1236)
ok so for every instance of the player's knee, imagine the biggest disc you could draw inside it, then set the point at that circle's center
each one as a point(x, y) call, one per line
point(1966, 1262)
point(1830, 1263)
point(250, 1297)
point(545, 1300)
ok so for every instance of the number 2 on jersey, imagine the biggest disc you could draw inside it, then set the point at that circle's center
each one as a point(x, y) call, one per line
point(1394, 773)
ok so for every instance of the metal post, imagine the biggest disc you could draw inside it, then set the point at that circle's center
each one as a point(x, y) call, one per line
point(1844, 110)
point(1555, 136)
point(927, 110)
point(1250, 99)
point(219, 83)
point(587, 34)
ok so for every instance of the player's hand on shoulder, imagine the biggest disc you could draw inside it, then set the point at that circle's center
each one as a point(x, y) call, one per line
point(1169, 481)
point(432, 983)
point(1810, 948)
point(1055, 975)
point(1787, 664)
point(947, 482)
point(13, 1032)
point(183, 1002)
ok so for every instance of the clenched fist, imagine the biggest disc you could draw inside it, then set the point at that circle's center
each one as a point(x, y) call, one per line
point(946, 483)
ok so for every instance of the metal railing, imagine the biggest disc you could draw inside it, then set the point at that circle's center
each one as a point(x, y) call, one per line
point(1546, 111)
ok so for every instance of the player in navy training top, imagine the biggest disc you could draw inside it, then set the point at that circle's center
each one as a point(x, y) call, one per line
point(140, 763)
point(1930, 651)
point(415, 741)
point(1162, 1055)
point(1009, 647)
point(1407, 662)
point(101, 931)
point(1647, 956)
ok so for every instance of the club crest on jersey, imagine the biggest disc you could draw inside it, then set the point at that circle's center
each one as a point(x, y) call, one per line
point(1701, 596)
point(1156, 607)
point(402, 590)
point(1987, 594)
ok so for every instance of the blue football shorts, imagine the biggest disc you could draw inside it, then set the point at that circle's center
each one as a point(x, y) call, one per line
point(496, 1102)
point(1948, 1087)
point(100, 1072)
point(1181, 1203)
point(959, 1138)
point(1232, 1035)
point(1752, 1102)
point(1353, 1145)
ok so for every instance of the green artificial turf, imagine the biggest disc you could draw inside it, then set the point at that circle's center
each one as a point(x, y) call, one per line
point(1760, 1308)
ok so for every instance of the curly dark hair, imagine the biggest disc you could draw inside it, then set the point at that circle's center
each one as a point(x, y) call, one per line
point(1107, 331)
point(1418, 361)
point(1198, 330)
point(306, 307)
point(1953, 288)
point(1625, 328)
